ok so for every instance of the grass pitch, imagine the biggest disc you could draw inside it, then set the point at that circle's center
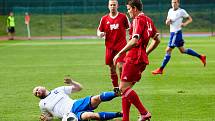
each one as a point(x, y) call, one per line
point(186, 91)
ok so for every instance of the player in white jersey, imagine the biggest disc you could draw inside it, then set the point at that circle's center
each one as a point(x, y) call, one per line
point(57, 103)
point(175, 20)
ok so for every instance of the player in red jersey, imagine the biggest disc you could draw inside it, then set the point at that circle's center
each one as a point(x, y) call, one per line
point(142, 29)
point(113, 28)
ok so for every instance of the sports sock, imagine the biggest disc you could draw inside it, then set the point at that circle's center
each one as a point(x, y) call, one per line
point(125, 108)
point(107, 96)
point(132, 96)
point(192, 52)
point(108, 115)
point(165, 60)
point(114, 79)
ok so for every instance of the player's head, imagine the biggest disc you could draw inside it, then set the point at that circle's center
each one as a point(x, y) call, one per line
point(134, 7)
point(11, 13)
point(113, 6)
point(175, 4)
point(40, 92)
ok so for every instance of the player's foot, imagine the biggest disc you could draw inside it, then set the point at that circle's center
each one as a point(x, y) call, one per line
point(117, 91)
point(157, 71)
point(203, 59)
point(146, 117)
point(119, 114)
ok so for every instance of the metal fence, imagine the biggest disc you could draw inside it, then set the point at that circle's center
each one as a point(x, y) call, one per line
point(73, 18)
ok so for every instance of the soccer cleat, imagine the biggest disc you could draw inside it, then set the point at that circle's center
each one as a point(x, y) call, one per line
point(157, 71)
point(146, 117)
point(119, 114)
point(117, 91)
point(203, 59)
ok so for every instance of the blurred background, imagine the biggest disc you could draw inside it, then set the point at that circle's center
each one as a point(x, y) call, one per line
point(64, 18)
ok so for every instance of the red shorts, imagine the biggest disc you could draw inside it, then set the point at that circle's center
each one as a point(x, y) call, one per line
point(132, 72)
point(110, 55)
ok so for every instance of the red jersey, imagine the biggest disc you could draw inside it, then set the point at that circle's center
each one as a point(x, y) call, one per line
point(115, 30)
point(144, 28)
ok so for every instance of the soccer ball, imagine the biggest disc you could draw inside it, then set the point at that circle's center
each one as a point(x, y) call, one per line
point(70, 117)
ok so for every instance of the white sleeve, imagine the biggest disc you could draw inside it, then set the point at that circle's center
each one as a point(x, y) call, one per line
point(168, 15)
point(184, 13)
point(42, 108)
point(66, 89)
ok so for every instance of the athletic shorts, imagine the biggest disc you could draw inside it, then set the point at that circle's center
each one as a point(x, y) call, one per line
point(110, 55)
point(82, 105)
point(132, 72)
point(11, 29)
point(176, 39)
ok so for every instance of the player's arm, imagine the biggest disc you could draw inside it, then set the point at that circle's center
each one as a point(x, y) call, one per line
point(168, 21)
point(46, 117)
point(76, 87)
point(155, 42)
point(100, 34)
point(129, 45)
point(188, 20)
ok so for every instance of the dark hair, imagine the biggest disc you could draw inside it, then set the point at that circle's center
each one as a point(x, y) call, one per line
point(135, 3)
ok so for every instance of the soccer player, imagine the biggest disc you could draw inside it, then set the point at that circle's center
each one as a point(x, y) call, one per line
point(113, 27)
point(175, 20)
point(141, 31)
point(58, 103)
point(11, 26)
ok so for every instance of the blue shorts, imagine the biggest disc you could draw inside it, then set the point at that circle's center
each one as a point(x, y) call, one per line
point(176, 39)
point(82, 105)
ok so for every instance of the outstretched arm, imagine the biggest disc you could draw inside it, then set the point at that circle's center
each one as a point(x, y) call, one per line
point(76, 86)
point(130, 44)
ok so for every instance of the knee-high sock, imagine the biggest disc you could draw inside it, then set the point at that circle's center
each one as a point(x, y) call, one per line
point(192, 52)
point(125, 108)
point(133, 98)
point(108, 115)
point(165, 60)
point(107, 96)
point(114, 79)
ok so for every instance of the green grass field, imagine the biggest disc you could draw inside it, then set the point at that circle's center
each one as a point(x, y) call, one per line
point(186, 92)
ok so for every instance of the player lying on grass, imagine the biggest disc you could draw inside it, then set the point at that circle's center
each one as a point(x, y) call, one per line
point(58, 103)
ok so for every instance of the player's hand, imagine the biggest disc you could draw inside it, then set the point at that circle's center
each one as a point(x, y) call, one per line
point(44, 117)
point(115, 59)
point(168, 21)
point(67, 79)
point(183, 24)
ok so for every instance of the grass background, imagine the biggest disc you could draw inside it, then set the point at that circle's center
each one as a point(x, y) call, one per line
point(184, 93)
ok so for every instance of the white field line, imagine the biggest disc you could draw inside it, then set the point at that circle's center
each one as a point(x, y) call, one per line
point(53, 43)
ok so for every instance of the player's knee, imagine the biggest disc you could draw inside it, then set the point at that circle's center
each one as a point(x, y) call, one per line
point(89, 116)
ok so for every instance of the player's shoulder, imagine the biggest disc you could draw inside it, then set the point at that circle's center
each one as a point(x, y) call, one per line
point(122, 14)
point(105, 16)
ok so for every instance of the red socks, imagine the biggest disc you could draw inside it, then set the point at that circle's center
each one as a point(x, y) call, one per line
point(130, 97)
point(114, 78)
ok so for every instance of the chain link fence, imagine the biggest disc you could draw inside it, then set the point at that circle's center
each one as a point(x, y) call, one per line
point(62, 18)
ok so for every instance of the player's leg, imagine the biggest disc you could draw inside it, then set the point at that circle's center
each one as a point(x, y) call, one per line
point(120, 62)
point(103, 97)
point(100, 116)
point(113, 76)
point(193, 53)
point(165, 61)
point(109, 61)
point(131, 73)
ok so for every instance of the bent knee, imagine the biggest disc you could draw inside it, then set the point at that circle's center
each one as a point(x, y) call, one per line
point(89, 116)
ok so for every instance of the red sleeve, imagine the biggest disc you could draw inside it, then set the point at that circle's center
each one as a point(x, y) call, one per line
point(138, 27)
point(127, 22)
point(101, 25)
